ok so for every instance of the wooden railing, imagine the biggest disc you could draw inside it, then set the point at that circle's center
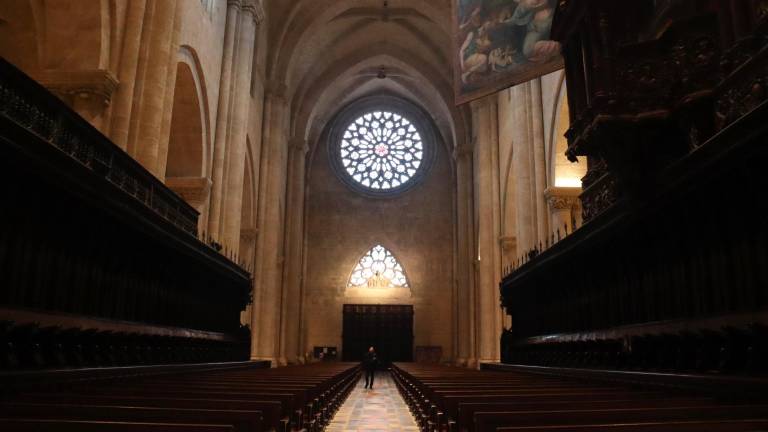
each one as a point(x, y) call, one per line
point(86, 230)
point(668, 270)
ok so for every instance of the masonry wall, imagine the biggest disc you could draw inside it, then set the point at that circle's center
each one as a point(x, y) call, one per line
point(416, 226)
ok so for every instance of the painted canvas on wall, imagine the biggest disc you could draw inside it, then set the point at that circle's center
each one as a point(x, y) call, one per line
point(500, 43)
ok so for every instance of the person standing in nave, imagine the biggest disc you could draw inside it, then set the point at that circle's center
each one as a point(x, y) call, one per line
point(370, 361)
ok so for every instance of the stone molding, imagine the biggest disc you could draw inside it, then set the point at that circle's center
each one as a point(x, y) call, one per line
point(85, 83)
point(563, 198)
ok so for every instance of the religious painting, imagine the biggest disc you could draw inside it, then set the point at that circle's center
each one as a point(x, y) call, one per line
point(500, 43)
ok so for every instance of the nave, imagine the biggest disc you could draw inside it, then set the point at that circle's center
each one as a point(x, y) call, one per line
point(375, 410)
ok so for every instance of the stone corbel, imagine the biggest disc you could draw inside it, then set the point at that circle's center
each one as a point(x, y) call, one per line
point(563, 198)
point(92, 84)
point(194, 190)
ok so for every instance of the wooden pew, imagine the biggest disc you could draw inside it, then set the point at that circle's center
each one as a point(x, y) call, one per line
point(454, 399)
point(490, 421)
point(241, 421)
point(292, 398)
point(66, 425)
point(744, 425)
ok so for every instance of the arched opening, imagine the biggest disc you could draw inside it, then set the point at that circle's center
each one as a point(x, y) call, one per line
point(186, 144)
point(185, 170)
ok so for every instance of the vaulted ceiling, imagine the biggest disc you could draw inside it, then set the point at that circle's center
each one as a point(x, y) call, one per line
point(330, 52)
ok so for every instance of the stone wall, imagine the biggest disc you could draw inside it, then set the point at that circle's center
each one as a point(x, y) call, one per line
point(416, 226)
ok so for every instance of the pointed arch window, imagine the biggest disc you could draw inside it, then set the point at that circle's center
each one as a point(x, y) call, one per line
point(378, 268)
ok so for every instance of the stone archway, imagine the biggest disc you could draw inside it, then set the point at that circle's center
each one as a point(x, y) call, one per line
point(185, 170)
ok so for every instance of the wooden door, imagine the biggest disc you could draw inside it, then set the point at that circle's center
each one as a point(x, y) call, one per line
point(388, 328)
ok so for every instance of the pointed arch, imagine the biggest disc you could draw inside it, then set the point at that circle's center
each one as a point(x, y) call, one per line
point(378, 268)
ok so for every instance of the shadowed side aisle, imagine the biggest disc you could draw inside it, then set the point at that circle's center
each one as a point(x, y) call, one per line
point(378, 409)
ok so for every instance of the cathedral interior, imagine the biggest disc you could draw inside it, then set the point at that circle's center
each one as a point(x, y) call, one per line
point(211, 209)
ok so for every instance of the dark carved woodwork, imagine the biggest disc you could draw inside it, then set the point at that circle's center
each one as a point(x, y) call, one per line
point(644, 78)
point(85, 230)
point(669, 271)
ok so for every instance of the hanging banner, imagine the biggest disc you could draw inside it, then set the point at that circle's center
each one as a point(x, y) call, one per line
point(500, 43)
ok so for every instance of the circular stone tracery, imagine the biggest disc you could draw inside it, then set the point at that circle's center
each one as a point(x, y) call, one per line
point(381, 150)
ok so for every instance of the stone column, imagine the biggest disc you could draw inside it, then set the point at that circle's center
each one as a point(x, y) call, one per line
point(269, 256)
point(126, 74)
point(487, 223)
point(231, 215)
point(248, 238)
point(564, 208)
point(170, 92)
point(293, 280)
point(465, 313)
point(226, 83)
point(539, 160)
point(146, 141)
point(522, 169)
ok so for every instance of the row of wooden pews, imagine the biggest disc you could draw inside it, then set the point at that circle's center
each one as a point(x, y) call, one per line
point(211, 399)
point(461, 400)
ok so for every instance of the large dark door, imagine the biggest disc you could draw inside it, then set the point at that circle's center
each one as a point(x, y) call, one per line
point(388, 328)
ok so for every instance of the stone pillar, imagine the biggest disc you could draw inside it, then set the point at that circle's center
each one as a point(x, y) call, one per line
point(243, 16)
point(170, 92)
point(248, 238)
point(564, 208)
point(226, 82)
point(487, 225)
point(269, 255)
point(234, 174)
point(539, 160)
point(465, 313)
point(144, 144)
point(292, 298)
point(126, 74)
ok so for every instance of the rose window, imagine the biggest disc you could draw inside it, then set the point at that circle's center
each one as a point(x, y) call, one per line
point(381, 150)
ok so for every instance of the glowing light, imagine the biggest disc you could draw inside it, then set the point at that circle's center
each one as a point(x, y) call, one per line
point(568, 182)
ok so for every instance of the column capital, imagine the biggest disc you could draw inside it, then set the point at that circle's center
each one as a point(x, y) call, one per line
point(193, 190)
point(255, 8)
point(562, 198)
point(84, 83)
